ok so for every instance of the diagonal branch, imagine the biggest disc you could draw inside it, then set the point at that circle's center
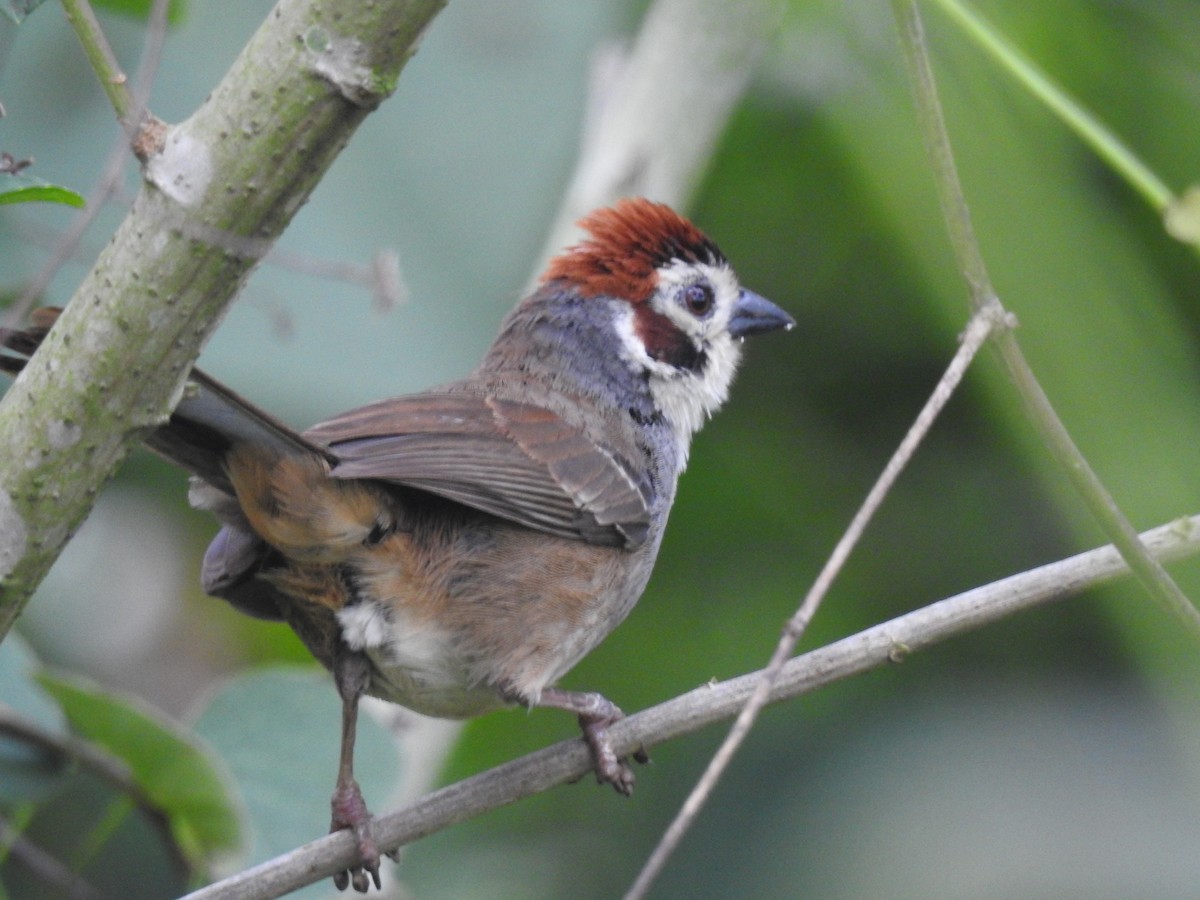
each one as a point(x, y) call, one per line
point(980, 329)
point(887, 643)
point(110, 173)
point(1103, 507)
point(223, 187)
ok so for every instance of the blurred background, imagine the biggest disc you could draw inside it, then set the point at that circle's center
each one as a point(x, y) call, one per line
point(1056, 754)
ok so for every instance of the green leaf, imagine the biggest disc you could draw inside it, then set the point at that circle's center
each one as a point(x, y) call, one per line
point(21, 188)
point(177, 772)
point(278, 730)
point(140, 9)
point(19, 9)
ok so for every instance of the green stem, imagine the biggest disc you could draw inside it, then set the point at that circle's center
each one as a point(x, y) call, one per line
point(103, 60)
point(1090, 130)
point(1037, 405)
point(937, 145)
point(1148, 570)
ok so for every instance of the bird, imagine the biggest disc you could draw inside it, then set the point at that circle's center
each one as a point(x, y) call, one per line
point(458, 550)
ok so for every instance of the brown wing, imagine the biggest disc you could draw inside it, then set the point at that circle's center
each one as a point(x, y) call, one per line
point(518, 461)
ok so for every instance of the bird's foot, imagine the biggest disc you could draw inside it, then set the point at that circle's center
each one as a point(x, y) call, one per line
point(610, 768)
point(350, 811)
point(596, 713)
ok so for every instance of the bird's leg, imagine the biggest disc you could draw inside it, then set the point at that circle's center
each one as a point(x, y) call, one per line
point(352, 673)
point(596, 713)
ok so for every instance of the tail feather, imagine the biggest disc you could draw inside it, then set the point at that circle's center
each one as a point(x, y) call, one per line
point(208, 421)
point(24, 341)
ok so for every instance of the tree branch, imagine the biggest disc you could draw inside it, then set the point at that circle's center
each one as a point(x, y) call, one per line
point(889, 642)
point(1100, 503)
point(68, 243)
point(103, 61)
point(977, 333)
point(225, 184)
point(56, 875)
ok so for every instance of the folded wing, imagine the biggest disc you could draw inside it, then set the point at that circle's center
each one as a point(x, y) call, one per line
point(518, 461)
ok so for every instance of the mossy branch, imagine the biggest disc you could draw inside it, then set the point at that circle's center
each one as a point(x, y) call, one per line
point(216, 195)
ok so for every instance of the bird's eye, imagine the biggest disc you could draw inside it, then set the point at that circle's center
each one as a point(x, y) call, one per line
point(697, 298)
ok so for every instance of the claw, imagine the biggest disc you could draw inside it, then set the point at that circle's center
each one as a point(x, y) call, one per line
point(596, 713)
point(610, 769)
point(350, 811)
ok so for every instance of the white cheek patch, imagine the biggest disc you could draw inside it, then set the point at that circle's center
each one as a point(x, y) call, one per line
point(687, 398)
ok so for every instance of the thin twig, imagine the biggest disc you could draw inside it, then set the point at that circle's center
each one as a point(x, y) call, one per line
point(887, 643)
point(152, 51)
point(1077, 117)
point(941, 155)
point(975, 336)
point(110, 174)
point(46, 868)
point(382, 276)
point(103, 60)
point(1153, 577)
point(1149, 571)
point(67, 748)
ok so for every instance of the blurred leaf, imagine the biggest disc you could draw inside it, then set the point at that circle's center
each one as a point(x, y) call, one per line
point(87, 827)
point(20, 188)
point(278, 730)
point(19, 9)
point(1182, 218)
point(26, 773)
point(175, 770)
point(140, 9)
point(19, 688)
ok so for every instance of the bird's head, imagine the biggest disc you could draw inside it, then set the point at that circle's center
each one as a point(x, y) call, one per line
point(681, 313)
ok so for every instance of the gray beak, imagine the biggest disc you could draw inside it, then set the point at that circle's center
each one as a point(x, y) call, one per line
point(753, 314)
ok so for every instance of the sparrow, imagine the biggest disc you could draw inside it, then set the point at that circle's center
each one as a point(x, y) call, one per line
point(458, 550)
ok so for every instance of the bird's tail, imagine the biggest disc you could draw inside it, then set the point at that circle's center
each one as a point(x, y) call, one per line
point(207, 422)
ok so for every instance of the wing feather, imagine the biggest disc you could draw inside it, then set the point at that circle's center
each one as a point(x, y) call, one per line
point(515, 460)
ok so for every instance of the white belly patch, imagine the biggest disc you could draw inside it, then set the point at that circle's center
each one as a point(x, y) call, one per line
point(416, 663)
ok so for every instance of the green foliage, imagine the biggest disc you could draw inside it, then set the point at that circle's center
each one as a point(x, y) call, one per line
point(277, 732)
point(92, 773)
point(140, 9)
point(164, 761)
point(137, 9)
point(17, 187)
point(821, 195)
